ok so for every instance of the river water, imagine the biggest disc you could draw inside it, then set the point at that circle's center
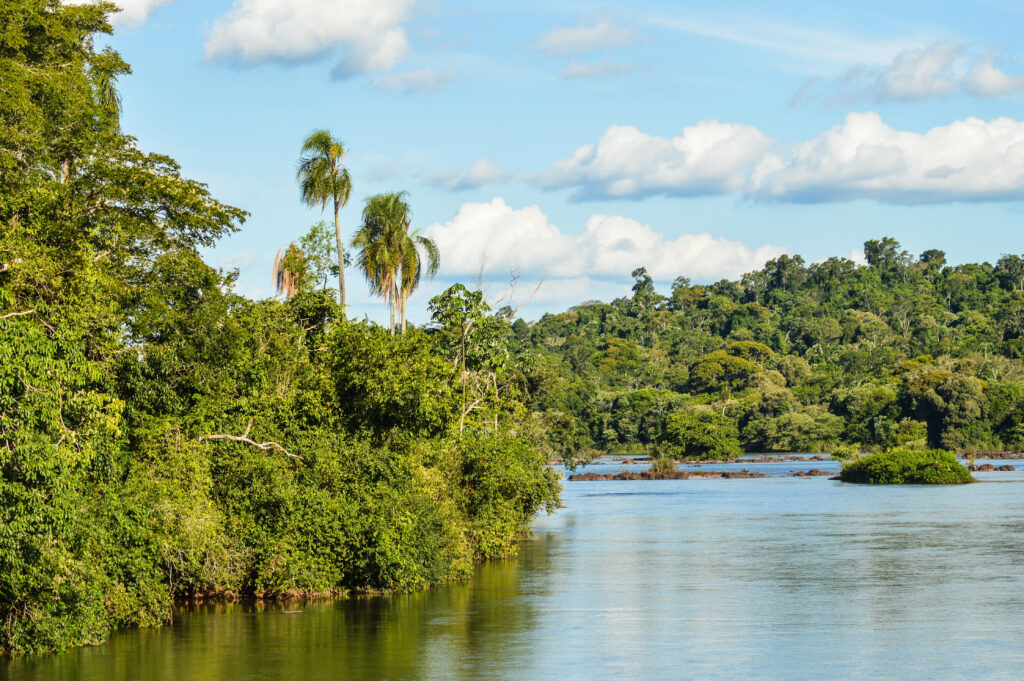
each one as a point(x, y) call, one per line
point(746, 580)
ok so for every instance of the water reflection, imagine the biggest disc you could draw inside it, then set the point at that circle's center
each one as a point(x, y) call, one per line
point(697, 579)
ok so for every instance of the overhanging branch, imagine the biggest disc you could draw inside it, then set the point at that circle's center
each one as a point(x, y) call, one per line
point(17, 314)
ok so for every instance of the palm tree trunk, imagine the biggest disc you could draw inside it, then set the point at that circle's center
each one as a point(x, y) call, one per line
point(392, 297)
point(405, 299)
point(341, 260)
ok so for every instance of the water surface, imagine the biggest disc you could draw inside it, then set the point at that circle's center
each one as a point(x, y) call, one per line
point(777, 578)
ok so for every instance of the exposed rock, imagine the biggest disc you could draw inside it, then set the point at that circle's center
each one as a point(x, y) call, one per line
point(674, 475)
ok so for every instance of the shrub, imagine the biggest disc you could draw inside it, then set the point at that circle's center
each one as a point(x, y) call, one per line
point(906, 467)
point(663, 464)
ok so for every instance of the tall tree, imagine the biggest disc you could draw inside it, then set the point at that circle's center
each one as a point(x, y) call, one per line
point(414, 264)
point(381, 241)
point(323, 179)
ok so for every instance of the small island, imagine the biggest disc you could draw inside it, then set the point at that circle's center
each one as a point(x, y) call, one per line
point(906, 467)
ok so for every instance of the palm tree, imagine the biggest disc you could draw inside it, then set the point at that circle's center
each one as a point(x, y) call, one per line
point(413, 264)
point(291, 271)
point(322, 178)
point(381, 240)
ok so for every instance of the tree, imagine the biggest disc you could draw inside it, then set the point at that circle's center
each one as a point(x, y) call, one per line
point(1010, 272)
point(323, 179)
point(702, 434)
point(414, 265)
point(381, 241)
point(317, 244)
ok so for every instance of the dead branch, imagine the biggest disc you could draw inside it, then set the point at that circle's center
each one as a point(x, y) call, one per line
point(467, 411)
point(244, 437)
point(513, 278)
point(17, 314)
point(527, 301)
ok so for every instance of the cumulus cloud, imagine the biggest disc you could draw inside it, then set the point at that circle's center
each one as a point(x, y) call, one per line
point(363, 35)
point(707, 158)
point(422, 80)
point(968, 160)
point(600, 69)
point(857, 256)
point(863, 158)
point(133, 12)
point(482, 172)
point(987, 80)
point(493, 238)
point(602, 35)
point(917, 74)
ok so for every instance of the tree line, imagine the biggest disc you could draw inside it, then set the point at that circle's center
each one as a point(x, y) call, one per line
point(902, 351)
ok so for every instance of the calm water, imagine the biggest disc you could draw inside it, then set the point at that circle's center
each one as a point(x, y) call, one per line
point(777, 578)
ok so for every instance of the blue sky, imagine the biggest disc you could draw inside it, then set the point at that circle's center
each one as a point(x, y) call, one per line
point(575, 141)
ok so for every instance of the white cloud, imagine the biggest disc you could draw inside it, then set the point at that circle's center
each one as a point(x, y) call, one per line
point(968, 160)
point(600, 69)
point(244, 259)
point(707, 158)
point(921, 73)
point(857, 256)
point(133, 12)
point(419, 81)
point(987, 80)
point(493, 238)
point(602, 35)
point(814, 45)
point(482, 172)
point(863, 158)
point(365, 35)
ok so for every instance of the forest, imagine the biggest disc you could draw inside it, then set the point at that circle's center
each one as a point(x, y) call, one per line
point(903, 351)
point(163, 438)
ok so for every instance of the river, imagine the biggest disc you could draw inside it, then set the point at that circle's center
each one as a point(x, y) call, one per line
point(746, 580)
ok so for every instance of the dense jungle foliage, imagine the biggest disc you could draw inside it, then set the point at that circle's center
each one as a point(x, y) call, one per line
point(163, 437)
point(906, 351)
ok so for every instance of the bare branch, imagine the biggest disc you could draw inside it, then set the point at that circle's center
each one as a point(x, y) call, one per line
point(466, 412)
point(244, 437)
point(17, 314)
point(513, 278)
point(526, 302)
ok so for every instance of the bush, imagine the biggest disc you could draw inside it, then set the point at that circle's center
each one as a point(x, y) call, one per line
point(906, 467)
point(701, 434)
point(663, 464)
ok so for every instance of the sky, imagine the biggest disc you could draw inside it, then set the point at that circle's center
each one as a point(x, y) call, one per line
point(570, 142)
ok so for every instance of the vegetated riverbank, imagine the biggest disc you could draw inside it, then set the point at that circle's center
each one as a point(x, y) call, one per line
point(599, 569)
point(164, 438)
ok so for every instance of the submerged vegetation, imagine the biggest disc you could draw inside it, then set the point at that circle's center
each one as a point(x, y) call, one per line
point(906, 467)
point(162, 437)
